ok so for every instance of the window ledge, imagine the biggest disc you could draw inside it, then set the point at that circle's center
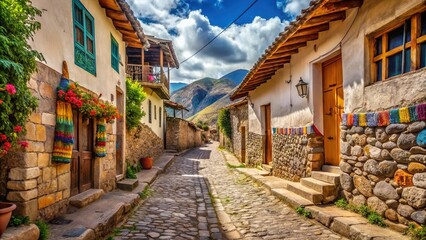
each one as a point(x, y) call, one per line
point(391, 79)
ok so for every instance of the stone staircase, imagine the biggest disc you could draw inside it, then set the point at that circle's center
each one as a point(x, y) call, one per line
point(268, 168)
point(321, 187)
point(85, 198)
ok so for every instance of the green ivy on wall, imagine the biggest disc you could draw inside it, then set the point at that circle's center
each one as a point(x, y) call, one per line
point(224, 122)
point(134, 99)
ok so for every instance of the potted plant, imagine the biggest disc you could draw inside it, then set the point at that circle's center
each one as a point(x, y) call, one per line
point(6, 209)
point(146, 162)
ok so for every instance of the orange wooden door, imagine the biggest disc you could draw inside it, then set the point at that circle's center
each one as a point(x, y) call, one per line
point(82, 156)
point(268, 135)
point(333, 108)
point(119, 145)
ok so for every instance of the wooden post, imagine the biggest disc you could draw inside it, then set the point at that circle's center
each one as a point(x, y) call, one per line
point(168, 71)
point(142, 57)
point(174, 112)
point(181, 112)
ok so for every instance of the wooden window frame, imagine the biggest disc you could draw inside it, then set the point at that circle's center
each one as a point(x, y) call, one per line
point(149, 111)
point(82, 56)
point(115, 57)
point(159, 116)
point(155, 112)
point(414, 44)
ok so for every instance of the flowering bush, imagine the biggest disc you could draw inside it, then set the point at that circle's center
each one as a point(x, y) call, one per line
point(17, 63)
point(89, 106)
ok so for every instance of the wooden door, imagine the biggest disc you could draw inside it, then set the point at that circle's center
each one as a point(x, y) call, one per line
point(243, 144)
point(82, 156)
point(268, 135)
point(333, 108)
point(120, 135)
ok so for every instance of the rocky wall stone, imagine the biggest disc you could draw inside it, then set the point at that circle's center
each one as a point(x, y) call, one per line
point(388, 169)
point(142, 142)
point(254, 149)
point(182, 134)
point(239, 121)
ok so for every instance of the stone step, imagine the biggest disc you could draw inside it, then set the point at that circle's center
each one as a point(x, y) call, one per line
point(267, 168)
point(128, 184)
point(326, 189)
point(331, 169)
point(328, 177)
point(291, 198)
point(85, 198)
point(305, 192)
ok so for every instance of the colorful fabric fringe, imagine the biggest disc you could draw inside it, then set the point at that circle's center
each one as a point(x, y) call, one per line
point(384, 118)
point(64, 133)
point(308, 130)
point(101, 137)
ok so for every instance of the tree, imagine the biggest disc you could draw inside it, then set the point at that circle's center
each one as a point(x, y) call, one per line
point(134, 99)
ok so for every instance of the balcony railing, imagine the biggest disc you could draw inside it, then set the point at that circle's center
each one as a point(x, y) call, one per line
point(147, 74)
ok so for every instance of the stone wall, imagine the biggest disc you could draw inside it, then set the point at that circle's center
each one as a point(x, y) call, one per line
point(239, 119)
point(296, 156)
point(181, 134)
point(385, 168)
point(254, 149)
point(142, 142)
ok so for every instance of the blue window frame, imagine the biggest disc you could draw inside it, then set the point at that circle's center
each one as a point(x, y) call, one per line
point(84, 38)
point(115, 58)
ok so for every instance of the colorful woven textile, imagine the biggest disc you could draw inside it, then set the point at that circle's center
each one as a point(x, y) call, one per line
point(101, 137)
point(308, 130)
point(64, 133)
point(384, 118)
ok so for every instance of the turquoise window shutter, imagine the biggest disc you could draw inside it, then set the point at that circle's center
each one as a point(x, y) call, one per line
point(84, 38)
point(115, 57)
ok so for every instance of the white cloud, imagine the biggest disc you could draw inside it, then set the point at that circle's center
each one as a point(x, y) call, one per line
point(292, 7)
point(238, 47)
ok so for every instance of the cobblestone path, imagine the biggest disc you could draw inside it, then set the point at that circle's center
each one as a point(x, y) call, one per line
point(180, 206)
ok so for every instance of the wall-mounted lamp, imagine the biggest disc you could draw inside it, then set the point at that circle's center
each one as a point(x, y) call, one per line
point(302, 88)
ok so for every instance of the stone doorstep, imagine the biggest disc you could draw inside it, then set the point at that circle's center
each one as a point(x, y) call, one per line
point(147, 175)
point(305, 192)
point(99, 217)
point(326, 189)
point(292, 199)
point(164, 161)
point(332, 178)
point(23, 232)
point(128, 184)
point(330, 169)
point(85, 198)
point(272, 182)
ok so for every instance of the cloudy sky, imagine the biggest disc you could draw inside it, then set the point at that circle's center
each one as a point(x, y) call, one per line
point(193, 23)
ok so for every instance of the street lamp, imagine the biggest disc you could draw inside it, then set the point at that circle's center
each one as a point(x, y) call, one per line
point(302, 88)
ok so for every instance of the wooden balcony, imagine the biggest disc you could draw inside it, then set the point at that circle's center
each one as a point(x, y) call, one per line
point(150, 77)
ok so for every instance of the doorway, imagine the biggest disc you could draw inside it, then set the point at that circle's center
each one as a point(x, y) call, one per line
point(82, 154)
point(119, 144)
point(267, 159)
point(243, 144)
point(332, 108)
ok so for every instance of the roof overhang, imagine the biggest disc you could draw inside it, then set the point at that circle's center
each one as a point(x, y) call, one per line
point(125, 22)
point(307, 26)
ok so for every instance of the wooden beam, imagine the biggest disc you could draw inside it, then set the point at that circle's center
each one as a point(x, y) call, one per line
point(116, 15)
point(279, 60)
point(306, 38)
point(332, 7)
point(124, 25)
point(325, 19)
point(284, 54)
point(108, 4)
point(311, 30)
point(291, 47)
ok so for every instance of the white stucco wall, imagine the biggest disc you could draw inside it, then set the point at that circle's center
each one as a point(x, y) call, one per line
point(290, 110)
point(157, 102)
point(55, 40)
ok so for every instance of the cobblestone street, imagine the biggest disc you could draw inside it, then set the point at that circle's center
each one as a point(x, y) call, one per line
point(180, 206)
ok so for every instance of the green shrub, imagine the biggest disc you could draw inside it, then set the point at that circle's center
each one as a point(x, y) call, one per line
point(130, 172)
point(147, 192)
point(135, 97)
point(372, 216)
point(364, 210)
point(17, 62)
point(417, 233)
point(341, 203)
point(202, 125)
point(302, 211)
point(375, 218)
point(224, 122)
point(44, 229)
point(19, 220)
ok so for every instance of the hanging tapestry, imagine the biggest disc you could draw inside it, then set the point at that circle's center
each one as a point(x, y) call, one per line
point(101, 136)
point(64, 133)
point(384, 118)
point(308, 130)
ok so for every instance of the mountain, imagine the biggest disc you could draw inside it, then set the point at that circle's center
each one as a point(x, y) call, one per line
point(176, 86)
point(202, 93)
point(206, 96)
point(236, 76)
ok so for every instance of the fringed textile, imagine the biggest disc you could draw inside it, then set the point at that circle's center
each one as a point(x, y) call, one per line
point(350, 119)
point(394, 116)
point(308, 130)
point(404, 115)
point(413, 113)
point(356, 119)
point(421, 111)
point(372, 119)
point(64, 133)
point(384, 118)
point(101, 137)
point(362, 119)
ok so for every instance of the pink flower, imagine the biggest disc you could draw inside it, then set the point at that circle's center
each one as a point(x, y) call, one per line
point(10, 89)
point(23, 144)
point(18, 129)
point(61, 93)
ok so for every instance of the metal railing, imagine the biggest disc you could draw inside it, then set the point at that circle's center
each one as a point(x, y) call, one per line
point(148, 74)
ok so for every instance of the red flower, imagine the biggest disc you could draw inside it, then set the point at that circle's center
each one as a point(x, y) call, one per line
point(61, 93)
point(23, 144)
point(10, 89)
point(6, 146)
point(92, 113)
point(1, 101)
point(18, 129)
point(3, 137)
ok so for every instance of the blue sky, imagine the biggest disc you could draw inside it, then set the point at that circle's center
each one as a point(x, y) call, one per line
point(192, 23)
